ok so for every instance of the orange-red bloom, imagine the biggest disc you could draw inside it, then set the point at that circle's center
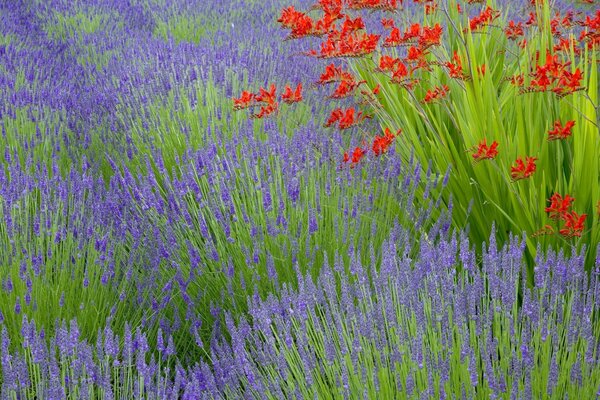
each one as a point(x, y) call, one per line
point(334, 74)
point(266, 110)
point(559, 205)
point(380, 5)
point(455, 69)
point(574, 224)
point(486, 17)
point(345, 119)
point(345, 89)
point(523, 169)
point(560, 132)
point(265, 96)
point(485, 152)
point(290, 96)
point(436, 94)
point(247, 99)
point(514, 31)
point(381, 143)
point(356, 156)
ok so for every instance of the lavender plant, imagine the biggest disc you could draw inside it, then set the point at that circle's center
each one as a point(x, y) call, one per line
point(416, 328)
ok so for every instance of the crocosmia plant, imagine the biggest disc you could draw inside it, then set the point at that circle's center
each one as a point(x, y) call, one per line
point(452, 75)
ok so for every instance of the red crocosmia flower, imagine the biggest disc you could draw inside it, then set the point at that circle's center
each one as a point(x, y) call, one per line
point(484, 152)
point(560, 132)
point(532, 20)
point(246, 100)
point(346, 157)
point(415, 54)
point(290, 96)
point(334, 74)
point(265, 96)
point(486, 17)
point(431, 36)
point(376, 89)
point(352, 25)
point(565, 45)
point(345, 89)
point(436, 94)
point(351, 118)
point(381, 143)
point(412, 32)
point(266, 111)
point(523, 169)
point(334, 117)
point(568, 83)
point(394, 39)
point(289, 16)
point(345, 119)
point(455, 69)
point(399, 73)
point(357, 155)
point(591, 35)
point(559, 205)
point(514, 31)
point(574, 224)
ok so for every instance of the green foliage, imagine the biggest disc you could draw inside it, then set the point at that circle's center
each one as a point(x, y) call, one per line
point(490, 107)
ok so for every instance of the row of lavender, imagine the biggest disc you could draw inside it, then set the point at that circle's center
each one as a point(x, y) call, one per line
point(415, 328)
point(148, 253)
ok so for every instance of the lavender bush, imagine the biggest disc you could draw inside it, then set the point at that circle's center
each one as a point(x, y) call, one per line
point(416, 329)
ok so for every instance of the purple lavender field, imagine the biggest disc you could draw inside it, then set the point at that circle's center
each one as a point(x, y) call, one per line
point(157, 244)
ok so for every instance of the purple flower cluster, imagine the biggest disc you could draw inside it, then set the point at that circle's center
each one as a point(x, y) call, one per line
point(409, 328)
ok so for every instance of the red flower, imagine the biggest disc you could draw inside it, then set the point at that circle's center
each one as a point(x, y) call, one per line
point(560, 132)
point(357, 154)
point(436, 94)
point(431, 36)
point(290, 96)
point(559, 205)
point(345, 119)
point(334, 74)
point(334, 117)
point(455, 67)
point(266, 111)
point(345, 89)
point(522, 169)
point(244, 101)
point(513, 31)
point(479, 21)
point(381, 143)
point(574, 224)
point(387, 63)
point(484, 152)
point(265, 96)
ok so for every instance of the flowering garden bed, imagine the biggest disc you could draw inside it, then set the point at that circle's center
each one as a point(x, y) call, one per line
point(280, 199)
